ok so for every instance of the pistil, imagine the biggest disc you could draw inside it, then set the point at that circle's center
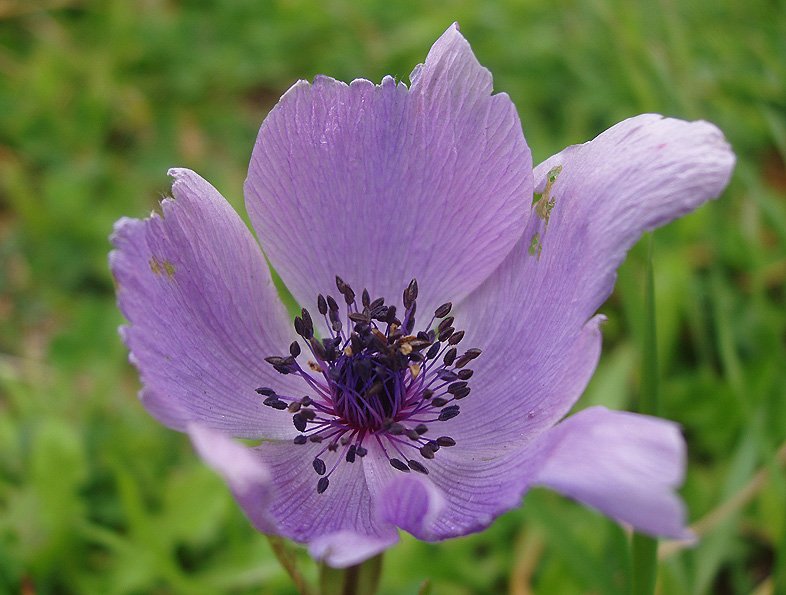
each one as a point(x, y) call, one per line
point(373, 379)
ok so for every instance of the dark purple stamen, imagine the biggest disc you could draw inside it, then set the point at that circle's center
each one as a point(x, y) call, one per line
point(443, 310)
point(455, 338)
point(448, 413)
point(445, 333)
point(401, 466)
point(319, 466)
point(416, 466)
point(373, 381)
point(351, 454)
point(465, 374)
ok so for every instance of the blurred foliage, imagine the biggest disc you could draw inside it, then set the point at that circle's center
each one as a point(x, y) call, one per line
point(98, 98)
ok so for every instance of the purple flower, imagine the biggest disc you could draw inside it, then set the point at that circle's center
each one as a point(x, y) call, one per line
point(435, 409)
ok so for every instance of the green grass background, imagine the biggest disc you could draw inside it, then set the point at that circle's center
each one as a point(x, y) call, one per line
point(99, 98)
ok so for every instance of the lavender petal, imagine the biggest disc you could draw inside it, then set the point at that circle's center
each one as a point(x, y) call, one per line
point(641, 173)
point(380, 184)
point(624, 464)
point(203, 311)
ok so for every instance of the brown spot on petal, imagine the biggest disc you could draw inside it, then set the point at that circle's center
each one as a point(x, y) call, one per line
point(158, 267)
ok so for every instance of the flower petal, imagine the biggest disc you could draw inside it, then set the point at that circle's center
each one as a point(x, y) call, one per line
point(524, 387)
point(247, 476)
point(411, 503)
point(279, 497)
point(638, 175)
point(462, 493)
point(203, 313)
point(624, 464)
point(339, 524)
point(642, 173)
point(348, 548)
point(278, 494)
point(380, 184)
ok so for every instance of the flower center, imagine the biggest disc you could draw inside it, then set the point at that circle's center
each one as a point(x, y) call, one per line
point(373, 380)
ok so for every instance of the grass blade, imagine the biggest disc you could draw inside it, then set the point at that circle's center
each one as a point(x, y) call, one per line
point(645, 549)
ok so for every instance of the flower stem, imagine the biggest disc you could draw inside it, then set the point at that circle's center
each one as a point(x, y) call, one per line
point(645, 549)
point(362, 579)
point(286, 557)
